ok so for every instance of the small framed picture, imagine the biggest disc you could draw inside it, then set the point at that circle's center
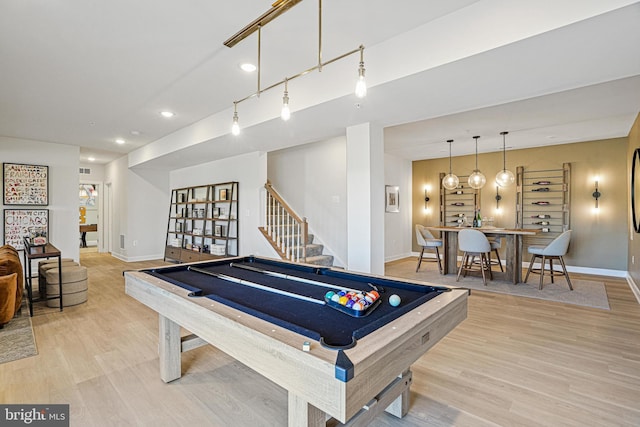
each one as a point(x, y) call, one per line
point(223, 194)
point(392, 198)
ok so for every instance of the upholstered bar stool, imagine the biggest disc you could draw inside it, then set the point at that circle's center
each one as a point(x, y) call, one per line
point(496, 244)
point(474, 243)
point(554, 250)
point(427, 241)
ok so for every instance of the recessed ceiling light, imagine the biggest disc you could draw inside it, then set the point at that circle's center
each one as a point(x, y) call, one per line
point(167, 114)
point(120, 141)
point(135, 132)
point(249, 68)
point(91, 159)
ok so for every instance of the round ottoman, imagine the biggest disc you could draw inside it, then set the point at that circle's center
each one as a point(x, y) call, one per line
point(47, 265)
point(74, 286)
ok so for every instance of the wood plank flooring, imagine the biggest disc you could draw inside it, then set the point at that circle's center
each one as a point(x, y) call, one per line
point(513, 362)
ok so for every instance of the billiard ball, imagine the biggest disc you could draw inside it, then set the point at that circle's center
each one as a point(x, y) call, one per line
point(394, 300)
point(329, 295)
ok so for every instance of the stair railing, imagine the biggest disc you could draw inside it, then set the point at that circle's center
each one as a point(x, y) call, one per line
point(283, 228)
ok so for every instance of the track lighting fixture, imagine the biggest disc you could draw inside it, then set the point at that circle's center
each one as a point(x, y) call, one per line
point(276, 10)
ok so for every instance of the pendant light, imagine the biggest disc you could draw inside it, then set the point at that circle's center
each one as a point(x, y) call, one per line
point(477, 179)
point(505, 177)
point(451, 181)
point(285, 114)
point(235, 127)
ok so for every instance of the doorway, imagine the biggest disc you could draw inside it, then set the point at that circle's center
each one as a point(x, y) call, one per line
point(89, 217)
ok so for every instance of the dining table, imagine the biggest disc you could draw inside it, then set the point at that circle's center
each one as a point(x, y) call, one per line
point(513, 238)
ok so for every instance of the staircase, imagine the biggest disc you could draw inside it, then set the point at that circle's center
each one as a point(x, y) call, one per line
point(289, 234)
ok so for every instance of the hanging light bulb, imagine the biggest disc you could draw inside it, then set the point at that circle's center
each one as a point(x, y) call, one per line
point(285, 114)
point(235, 127)
point(477, 179)
point(361, 85)
point(505, 177)
point(450, 181)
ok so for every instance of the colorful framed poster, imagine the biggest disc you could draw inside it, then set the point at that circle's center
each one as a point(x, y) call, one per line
point(25, 184)
point(17, 223)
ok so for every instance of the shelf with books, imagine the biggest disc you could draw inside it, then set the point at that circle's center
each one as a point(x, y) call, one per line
point(203, 222)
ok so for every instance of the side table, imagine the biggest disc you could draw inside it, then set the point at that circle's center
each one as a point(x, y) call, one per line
point(40, 252)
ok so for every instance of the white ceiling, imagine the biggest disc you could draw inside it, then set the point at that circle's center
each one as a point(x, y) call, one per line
point(86, 73)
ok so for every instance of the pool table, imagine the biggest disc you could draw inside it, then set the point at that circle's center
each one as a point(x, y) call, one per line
point(272, 316)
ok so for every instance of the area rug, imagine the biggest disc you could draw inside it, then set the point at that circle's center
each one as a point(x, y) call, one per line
point(588, 293)
point(16, 338)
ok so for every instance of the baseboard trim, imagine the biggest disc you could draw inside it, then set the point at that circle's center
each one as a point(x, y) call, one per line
point(634, 287)
point(138, 258)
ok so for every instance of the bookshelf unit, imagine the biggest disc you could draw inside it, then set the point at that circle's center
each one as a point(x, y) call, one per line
point(203, 222)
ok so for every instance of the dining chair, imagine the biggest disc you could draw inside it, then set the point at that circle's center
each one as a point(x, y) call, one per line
point(496, 244)
point(427, 241)
point(474, 243)
point(554, 250)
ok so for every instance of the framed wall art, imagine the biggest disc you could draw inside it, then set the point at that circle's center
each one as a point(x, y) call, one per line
point(25, 184)
point(392, 198)
point(17, 223)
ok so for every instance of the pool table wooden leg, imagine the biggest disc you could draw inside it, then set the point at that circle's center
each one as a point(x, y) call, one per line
point(302, 413)
point(169, 348)
point(400, 406)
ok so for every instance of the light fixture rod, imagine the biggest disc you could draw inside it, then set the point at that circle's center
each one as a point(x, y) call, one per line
point(504, 158)
point(259, 56)
point(300, 74)
point(450, 170)
point(319, 35)
point(476, 138)
point(277, 9)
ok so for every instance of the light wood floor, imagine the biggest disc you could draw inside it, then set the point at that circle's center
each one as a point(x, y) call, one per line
point(513, 362)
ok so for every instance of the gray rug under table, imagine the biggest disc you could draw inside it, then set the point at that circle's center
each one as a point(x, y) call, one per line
point(588, 293)
point(16, 338)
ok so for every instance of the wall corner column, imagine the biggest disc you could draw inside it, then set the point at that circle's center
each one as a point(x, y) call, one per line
point(365, 198)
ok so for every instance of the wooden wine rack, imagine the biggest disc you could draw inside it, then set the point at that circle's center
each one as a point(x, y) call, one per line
point(543, 202)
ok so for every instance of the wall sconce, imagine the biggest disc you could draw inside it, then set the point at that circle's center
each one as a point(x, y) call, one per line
point(596, 195)
point(426, 199)
point(498, 198)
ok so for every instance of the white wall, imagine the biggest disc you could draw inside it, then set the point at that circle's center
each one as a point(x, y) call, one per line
point(397, 225)
point(312, 180)
point(148, 212)
point(139, 209)
point(250, 170)
point(116, 178)
point(63, 187)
